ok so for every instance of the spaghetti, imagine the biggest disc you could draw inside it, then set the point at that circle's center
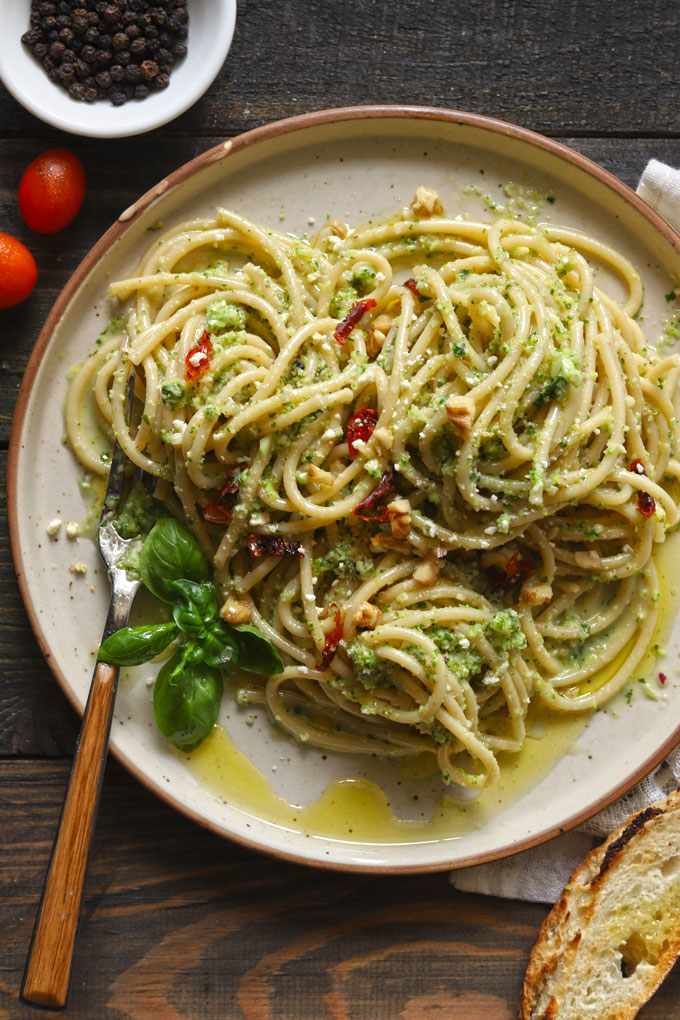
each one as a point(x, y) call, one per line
point(438, 498)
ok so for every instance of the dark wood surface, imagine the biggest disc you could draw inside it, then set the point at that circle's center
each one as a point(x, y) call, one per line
point(177, 923)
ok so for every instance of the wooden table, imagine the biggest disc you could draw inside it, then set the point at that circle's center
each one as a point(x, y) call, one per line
point(177, 923)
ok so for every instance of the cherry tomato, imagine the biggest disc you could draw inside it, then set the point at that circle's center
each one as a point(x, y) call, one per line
point(18, 271)
point(51, 191)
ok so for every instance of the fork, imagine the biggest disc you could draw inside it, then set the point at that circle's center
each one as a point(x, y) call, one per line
point(48, 967)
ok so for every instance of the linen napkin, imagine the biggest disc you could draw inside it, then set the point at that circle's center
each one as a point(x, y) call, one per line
point(541, 873)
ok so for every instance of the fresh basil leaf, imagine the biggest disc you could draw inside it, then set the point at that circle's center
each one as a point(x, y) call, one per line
point(219, 646)
point(202, 598)
point(171, 553)
point(133, 645)
point(256, 653)
point(192, 651)
point(186, 701)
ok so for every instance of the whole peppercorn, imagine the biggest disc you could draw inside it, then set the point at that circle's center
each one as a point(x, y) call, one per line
point(108, 48)
point(149, 69)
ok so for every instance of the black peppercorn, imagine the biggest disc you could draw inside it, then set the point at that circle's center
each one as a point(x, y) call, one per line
point(149, 69)
point(108, 48)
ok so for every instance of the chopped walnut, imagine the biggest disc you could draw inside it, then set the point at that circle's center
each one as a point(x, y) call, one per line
point(588, 560)
point(570, 587)
point(338, 228)
point(426, 573)
point(319, 476)
point(536, 593)
point(460, 411)
point(235, 611)
point(366, 615)
point(498, 557)
point(426, 202)
point(379, 328)
point(384, 437)
point(400, 517)
point(382, 541)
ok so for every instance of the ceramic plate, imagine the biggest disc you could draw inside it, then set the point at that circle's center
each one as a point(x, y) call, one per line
point(250, 782)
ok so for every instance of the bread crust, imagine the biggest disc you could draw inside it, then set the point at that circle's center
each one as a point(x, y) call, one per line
point(614, 932)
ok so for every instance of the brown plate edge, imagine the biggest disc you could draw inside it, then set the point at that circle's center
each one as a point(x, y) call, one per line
point(222, 151)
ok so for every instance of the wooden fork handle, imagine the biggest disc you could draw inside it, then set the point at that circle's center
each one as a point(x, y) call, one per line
point(48, 969)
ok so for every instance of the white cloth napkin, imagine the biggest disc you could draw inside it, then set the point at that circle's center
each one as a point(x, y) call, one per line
point(541, 873)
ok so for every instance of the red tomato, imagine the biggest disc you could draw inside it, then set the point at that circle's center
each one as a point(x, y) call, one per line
point(51, 191)
point(18, 271)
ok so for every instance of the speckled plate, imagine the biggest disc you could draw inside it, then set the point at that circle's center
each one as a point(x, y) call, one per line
point(251, 783)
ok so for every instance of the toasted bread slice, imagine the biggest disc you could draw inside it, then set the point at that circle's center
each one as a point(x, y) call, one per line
point(614, 933)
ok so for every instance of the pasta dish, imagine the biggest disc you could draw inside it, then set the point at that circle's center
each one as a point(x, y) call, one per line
point(429, 459)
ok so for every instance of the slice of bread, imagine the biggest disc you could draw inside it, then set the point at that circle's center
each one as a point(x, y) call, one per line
point(614, 933)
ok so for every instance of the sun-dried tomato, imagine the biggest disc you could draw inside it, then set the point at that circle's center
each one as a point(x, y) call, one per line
point(330, 645)
point(353, 317)
point(218, 511)
point(413, 287)
point(646, 504)
point(360, 426)
point(516, 571)
point(372, 508)
point(274, 545)
point(198, 358)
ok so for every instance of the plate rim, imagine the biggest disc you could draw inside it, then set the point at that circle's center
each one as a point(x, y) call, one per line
point(223, 150)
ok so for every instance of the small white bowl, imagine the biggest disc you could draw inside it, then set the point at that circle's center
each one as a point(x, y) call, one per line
point(211, 27)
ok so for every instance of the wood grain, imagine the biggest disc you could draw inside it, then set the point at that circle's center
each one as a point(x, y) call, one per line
point(181, 925)
point(178, 924)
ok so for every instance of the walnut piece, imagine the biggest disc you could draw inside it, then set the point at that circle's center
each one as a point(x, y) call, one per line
point(426, 202)
point(366, 615)
point(536, 593)
point(382, 541)
point(235, 611)
point(379, 328)
point(338, 228)
point(461, 410)
point(400, 517)
point(426, 573)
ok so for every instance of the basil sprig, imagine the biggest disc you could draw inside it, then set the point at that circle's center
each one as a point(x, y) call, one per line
point(189, 686)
